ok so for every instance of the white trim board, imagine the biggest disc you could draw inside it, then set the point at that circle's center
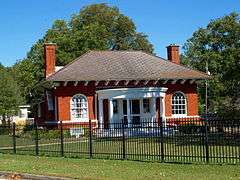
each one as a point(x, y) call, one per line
point(131, 93)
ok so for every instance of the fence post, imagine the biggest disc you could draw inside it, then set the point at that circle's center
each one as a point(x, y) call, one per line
point(90, 140)
point(123, 141)
point(61, 139)
point(14, 137)
point(161, 140)
point(206, 139)
point(36, 139)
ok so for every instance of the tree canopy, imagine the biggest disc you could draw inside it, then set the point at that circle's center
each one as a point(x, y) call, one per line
point(95, 27)
point(218, 45)
point(10, 98)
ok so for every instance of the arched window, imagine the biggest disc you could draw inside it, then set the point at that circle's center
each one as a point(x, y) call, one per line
point(79, 107)
point(179, 104)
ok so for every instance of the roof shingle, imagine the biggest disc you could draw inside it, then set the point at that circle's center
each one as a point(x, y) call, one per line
point(123, 65)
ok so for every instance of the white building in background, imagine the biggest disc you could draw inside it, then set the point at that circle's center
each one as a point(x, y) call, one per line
point(23, 115)
point(23, 111)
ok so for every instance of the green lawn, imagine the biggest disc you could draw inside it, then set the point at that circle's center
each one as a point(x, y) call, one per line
point(113, 169)
point(136, 149)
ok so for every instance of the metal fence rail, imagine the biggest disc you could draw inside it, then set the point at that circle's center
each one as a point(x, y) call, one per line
point(207, 140)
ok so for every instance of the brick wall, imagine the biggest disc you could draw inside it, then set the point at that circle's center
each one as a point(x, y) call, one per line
point(190, 90)
point(65, 93)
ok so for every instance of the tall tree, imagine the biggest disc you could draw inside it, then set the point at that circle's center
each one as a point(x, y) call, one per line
point(218, 45)
point(10, 98)
point(96, 27)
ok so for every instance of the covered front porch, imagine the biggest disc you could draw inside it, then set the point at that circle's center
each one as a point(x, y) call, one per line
point(131, 106)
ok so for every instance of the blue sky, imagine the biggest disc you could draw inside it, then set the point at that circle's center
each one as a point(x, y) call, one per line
point(164, 21)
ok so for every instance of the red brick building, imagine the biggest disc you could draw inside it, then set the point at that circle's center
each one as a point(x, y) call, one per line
point(111, 86)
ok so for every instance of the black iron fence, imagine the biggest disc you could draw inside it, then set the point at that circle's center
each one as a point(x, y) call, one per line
point(211, 140)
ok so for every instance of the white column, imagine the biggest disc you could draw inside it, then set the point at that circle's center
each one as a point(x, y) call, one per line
point(100, 103)
point(153, 110)
point(95, 106)
point(110, 112)
point(162, 110)
point(128, 113)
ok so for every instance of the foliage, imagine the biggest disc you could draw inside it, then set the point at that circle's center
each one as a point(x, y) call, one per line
point(191, 129)
point(230, 108)
point(4, 130)
point(96, 27)
point(49, 134)
point(45, 133)
point(10, 98)
point(218, 45)
point(20, 127)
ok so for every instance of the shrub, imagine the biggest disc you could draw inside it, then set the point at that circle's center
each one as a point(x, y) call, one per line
point(20, 127)
point(4, 130)
point(191, 128)
point(66, 133)
point(47, 134)
point(43, 133)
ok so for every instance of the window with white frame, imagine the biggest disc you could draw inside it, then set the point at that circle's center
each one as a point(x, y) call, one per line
point(79, 107)
point(179, 104)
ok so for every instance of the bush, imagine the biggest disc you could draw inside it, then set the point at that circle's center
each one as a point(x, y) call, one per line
point(20, 127)
point(191, 129)
point(86, 132)
point(4, 130)
point(66, 133)
point(46, 134)
point(49, 134)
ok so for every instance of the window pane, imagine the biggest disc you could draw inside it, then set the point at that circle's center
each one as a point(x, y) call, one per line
point(178, 103)
point(146, 105)
point(79, 107)
point(115, 106)
point(135, 107)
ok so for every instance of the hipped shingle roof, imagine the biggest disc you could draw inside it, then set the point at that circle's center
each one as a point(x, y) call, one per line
point(123, 65)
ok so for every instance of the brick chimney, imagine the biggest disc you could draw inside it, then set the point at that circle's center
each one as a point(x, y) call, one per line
point(50, 58)
point(173, 53)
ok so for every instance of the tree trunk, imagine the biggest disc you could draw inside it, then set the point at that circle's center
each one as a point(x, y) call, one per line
point(9, 121)
point(4, 120)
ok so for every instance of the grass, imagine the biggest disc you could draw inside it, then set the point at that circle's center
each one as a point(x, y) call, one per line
point(136, 149)
point(113, 169)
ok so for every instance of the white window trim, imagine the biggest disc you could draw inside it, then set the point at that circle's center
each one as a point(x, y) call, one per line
point(185, 116)
point(186, 106)
point(179, 115)
point(74, 119)
point(69, 121)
